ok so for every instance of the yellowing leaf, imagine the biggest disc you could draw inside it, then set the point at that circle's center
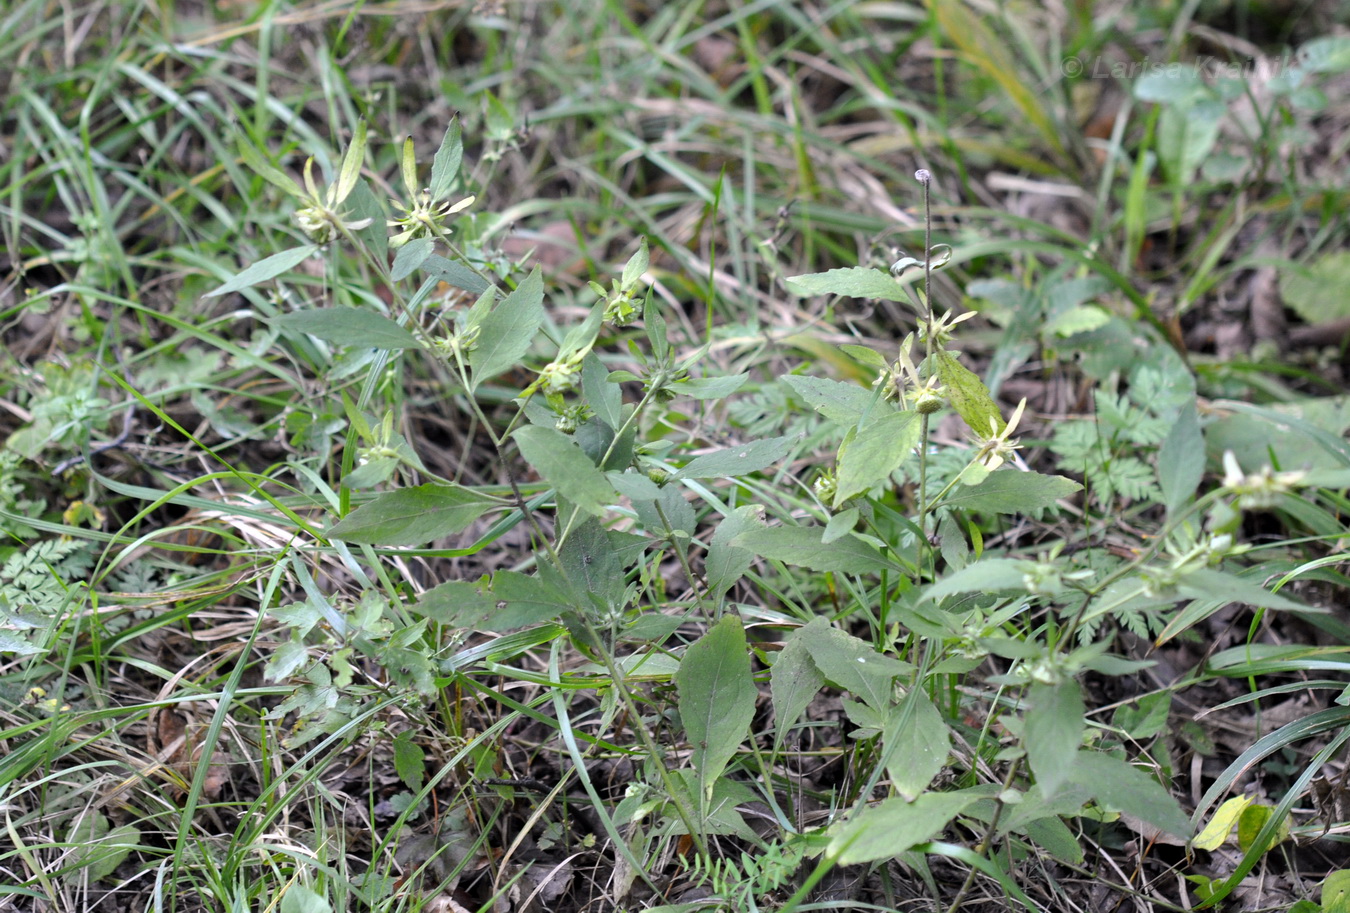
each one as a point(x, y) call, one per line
point(1216, 832)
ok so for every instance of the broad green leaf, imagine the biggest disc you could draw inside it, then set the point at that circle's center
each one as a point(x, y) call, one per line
point(300, 899)
point(1124, 787)
point(602, 395)
point(409, 257)
point(1186, 136)
point(868, 358)
point(456, 274)
point(520, 601)
point(445, 164)
point(457, 604)
point(1181, 460)
point(851, 663)
point(988, 575)
point(265, 269)
point(894, 826)
point(968, 395)
point(851, 282)
point(837, 401)
point(717, 699)
point(1011, 491)
point(349, 327)
point(1054, 836)
point(1146, 718)
point(1220, 826)
point(1250, 822)
point(840, 525)
point(506, 333)
point(1210, 584)
point(709, 387)
point(1053, 731)
point(1317, 292)
point(794, 681)
point(97, 849)
point(916, 742)
point(413, 516)
point(362, 205)
point(558, 459)
point(409, 760)
point(593, 560)
point(802, 546)
point(1336, 893)
point(727, 563)
point(1180, 86)
point(738, 461)
point(875, 452)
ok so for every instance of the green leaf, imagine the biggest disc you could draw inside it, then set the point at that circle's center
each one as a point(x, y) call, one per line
point(1011, 491)
point(602, 395)
point(558, 459)
point(456, 274)
point(259, 164)
point(445, 165)
point(988, 575)
point(916, 742)
point(726, 563)
point(97, 849)
point(506, 333)
point(1250, 822)
point(868, 358)
point(593, 560)
point(837, 401)
point(738, 461)
point(1336, 893)
point(1210, 584)
point(1186, 136)
point(840, 525)
point(709, 387)
point(351, 163)
point(265, 269)
point(409, 257)
point(894, 826)
point(1053, 835)
point(409, 760)
point(802, 546)
point(851, 663)
point(852, 282)
point(456, 604)
point(349, 327)
point(968, 395)
point(1145, 720)
point(794, 681)
point(300, 899)
point(1053, 732)
point(717, 698)
point(874, 453)
point(636, 265)
point(1181, 460)
point(520, 601)
point(1317, 291)
point(413, 516)
point(1124, 787)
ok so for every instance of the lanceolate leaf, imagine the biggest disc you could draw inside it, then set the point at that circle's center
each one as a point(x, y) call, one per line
point(794, 682)
point(802, 546)
point(837, 401)
point(896, 826)
point(916, 742)
point(1011, 491)
point(851, 282)
point(413, 516)
point(1053, 731)
point(349, 327)
point(851, 663)
point(445, 166)
point(717, 698)
point(727, 563)
point(506, 333)
point(1181, 460)
point(265, 269)
point(969, 396)
point(738, 461)
point(875, 452)
point(1122, 786)
point(561, 463)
